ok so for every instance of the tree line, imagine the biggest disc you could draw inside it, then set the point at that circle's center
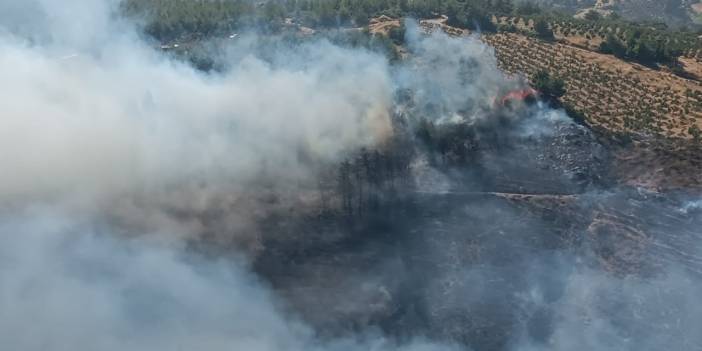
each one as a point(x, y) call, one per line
point(647, 43)
point(168, 19)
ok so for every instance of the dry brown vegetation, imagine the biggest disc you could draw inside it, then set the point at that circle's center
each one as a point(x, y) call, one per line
point(661, 110)
point(611, 93)
point(659, 165)
point(383, 25)
point(589, 36)
point(561, 32)
point(622, 97)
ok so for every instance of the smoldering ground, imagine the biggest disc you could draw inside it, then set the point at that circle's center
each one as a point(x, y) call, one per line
point(69, 285)
point(126, 168)
point(117, 125)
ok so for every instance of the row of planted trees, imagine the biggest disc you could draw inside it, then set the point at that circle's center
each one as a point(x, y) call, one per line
point(646, 43)
point(607, 96)
point(167, 19)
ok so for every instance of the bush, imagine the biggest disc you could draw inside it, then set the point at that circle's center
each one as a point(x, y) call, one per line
point(542, 29)
point(510, 28)
point(577, 116)
point(397, 34)
point(551, 88)
point(592, 15)
point(611, 45)
point(527, 8)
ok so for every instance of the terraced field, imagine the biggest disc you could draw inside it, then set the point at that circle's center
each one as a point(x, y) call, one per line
point(589, 34)
point(611, 93)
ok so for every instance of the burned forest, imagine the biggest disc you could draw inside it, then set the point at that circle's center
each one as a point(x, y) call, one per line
point(334, 176)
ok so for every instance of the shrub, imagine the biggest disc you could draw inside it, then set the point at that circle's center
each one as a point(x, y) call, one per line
point(551, 88)
point(542, 29)
point(592, 15)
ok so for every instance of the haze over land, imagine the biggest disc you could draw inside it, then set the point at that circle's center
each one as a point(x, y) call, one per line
point(337, 191)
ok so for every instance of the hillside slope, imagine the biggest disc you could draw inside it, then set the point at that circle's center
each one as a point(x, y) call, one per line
point(613, 94)
point(671, 12)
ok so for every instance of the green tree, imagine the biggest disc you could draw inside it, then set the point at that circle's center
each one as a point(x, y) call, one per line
point(503, 6)
point(527, 8)
point(695, 132)
point(592, 15)
point(552, 88)
point(542, 29)
point(612, 45)
point(397, 34)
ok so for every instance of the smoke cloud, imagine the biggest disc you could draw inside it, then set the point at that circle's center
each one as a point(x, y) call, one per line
point(68, 285)
point(120, 160)
point(122, 117)
point(108, 143)
point(96, 117)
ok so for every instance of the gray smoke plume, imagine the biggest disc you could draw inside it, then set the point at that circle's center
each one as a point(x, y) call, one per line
point(119, 160)
point(70, 285)
point(109, 146)
point(97, 116)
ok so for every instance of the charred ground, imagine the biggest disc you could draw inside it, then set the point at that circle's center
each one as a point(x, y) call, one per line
point(522, 215)
point(350, 190)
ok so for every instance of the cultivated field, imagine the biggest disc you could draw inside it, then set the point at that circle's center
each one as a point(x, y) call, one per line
point(611, 93)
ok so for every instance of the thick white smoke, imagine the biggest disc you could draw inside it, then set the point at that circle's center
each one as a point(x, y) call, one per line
point(105, 143)
point(691, 206)
point(94, 114)
point(102, 135)
point(106, 135)
point(120, 116)
point(451, 76)
point(68, 285)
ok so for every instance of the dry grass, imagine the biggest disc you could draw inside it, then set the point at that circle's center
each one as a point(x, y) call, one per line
point(382, 25)
point(611, 93)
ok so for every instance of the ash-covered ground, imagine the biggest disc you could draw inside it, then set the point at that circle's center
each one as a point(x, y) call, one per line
point(315, 195)
point(528, 240)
